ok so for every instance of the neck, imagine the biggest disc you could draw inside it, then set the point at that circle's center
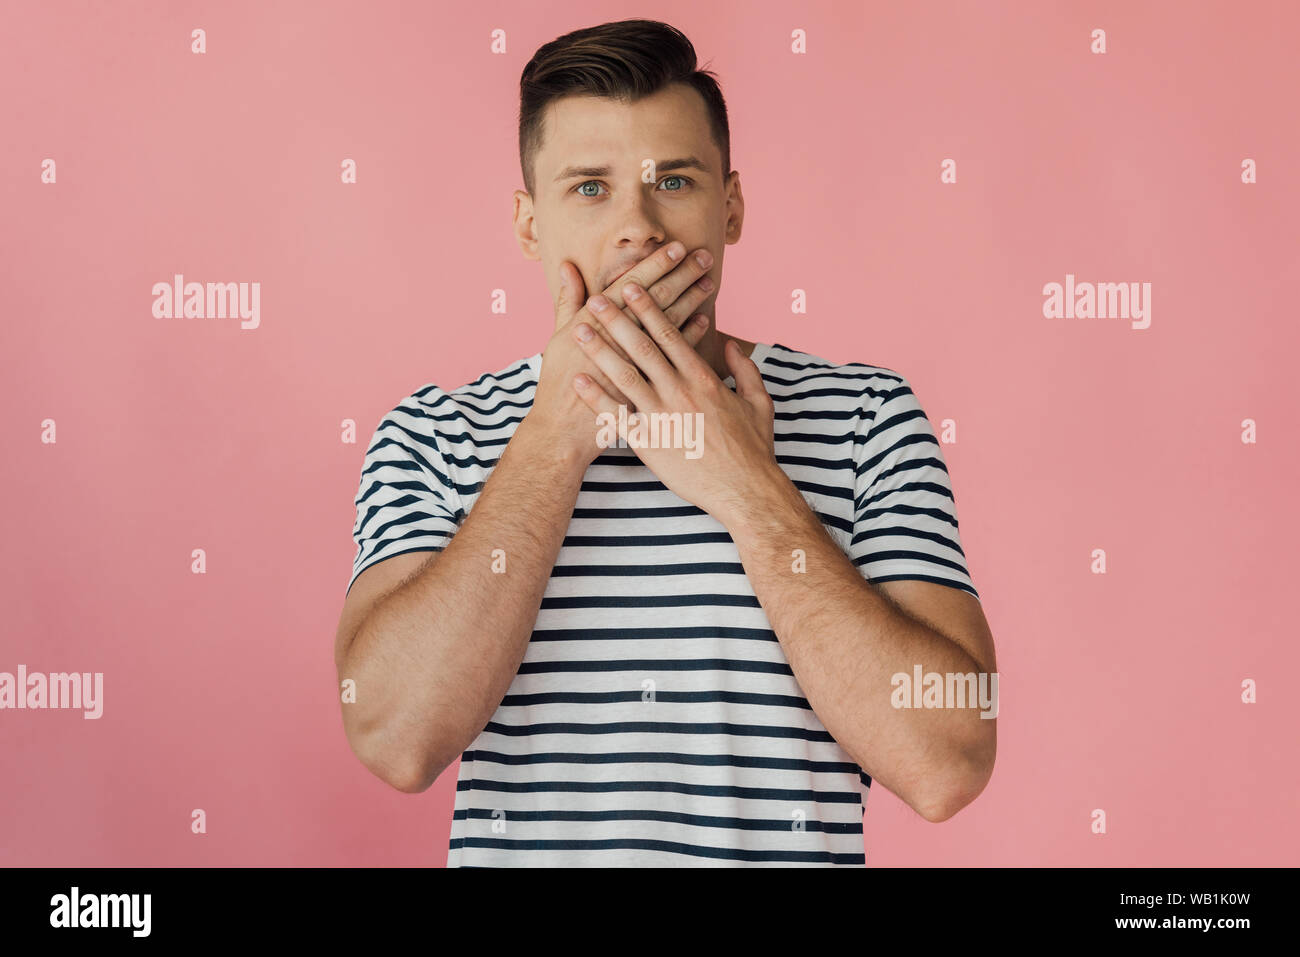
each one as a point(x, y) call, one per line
point(710, 349)
point(711, 346)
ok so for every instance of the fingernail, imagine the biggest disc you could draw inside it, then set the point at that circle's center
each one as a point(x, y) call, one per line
point(706, 283)
point(597, 303)
point(584, 332)
point(704, 258)
point(581, 380)
point(630, 291)
point(675, 251)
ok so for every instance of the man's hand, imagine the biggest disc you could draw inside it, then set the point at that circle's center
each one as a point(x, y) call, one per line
point(733, 431)
point(673, 278)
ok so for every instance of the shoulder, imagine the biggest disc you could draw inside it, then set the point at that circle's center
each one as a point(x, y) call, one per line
point(785, 364)
point(802, 376)
point(424, 409)
point(876, 402)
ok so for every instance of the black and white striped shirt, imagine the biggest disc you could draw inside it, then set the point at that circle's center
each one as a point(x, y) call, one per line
point(654, 720)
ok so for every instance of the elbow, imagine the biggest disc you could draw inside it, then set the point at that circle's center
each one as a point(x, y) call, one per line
point(942, 807)
point(400, 772)
point(407, 779)
point(971, 774)
point(392, 755)
point(411, 784)
point(396, 766)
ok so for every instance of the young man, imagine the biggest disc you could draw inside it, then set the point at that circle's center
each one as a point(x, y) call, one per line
point(656, 655)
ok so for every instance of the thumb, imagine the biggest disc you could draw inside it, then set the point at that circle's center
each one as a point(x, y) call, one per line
point(749, 381)
point(572, 293)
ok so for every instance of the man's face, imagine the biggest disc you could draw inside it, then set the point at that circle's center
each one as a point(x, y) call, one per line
point(591, 205)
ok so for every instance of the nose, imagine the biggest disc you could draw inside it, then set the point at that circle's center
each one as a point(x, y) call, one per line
point(638, 223)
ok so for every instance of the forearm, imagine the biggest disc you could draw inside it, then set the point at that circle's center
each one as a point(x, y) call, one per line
point(845, 641)
point(434, 658)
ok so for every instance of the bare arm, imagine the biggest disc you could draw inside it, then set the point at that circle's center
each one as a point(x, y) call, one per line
point(433, 643)
point(434, 656)
point(845, 641)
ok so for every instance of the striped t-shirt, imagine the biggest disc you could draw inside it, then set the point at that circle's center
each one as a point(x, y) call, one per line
point(655, 720)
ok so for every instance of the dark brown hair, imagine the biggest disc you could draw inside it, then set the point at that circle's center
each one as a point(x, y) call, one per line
point(624, 60)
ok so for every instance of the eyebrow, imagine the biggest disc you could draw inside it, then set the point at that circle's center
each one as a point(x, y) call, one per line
point(685, 162)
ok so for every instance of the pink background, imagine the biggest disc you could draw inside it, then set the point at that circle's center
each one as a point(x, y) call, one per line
point(1119, 691)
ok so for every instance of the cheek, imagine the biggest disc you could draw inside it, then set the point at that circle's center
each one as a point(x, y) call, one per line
point(585, 274)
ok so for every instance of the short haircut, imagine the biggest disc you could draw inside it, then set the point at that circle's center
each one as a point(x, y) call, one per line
point(624, 60)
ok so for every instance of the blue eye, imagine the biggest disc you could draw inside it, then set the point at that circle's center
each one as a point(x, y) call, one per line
point(685, 183)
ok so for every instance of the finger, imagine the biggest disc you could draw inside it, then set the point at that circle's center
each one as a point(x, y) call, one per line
point(638, 342)
point(591, 392)
point(690, 273)
point(604, 334)
point(674, 355)
point(601, 379)
point(648, 271)
point(679, 293)
point(624, 375)
point(603, 382)
point(573, 293)
point(694, 329)
point(749, 381)
point(689, 302)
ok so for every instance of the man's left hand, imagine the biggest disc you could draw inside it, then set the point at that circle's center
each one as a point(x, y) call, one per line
point(721, 441)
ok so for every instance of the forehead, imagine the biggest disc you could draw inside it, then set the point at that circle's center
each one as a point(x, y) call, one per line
point(673, 121)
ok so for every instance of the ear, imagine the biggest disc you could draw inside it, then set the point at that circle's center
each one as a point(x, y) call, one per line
point(735, 209)
point(525, 225)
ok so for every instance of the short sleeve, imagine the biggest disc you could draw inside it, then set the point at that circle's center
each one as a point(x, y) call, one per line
point(905, 515)
point(406, 500)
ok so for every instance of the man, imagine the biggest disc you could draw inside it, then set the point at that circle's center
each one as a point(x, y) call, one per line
point(656, 655)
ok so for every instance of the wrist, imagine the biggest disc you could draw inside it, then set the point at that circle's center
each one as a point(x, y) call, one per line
point(547, 452)
point(769, 491)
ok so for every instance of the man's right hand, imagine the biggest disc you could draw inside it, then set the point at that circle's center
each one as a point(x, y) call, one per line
point(557, 409)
